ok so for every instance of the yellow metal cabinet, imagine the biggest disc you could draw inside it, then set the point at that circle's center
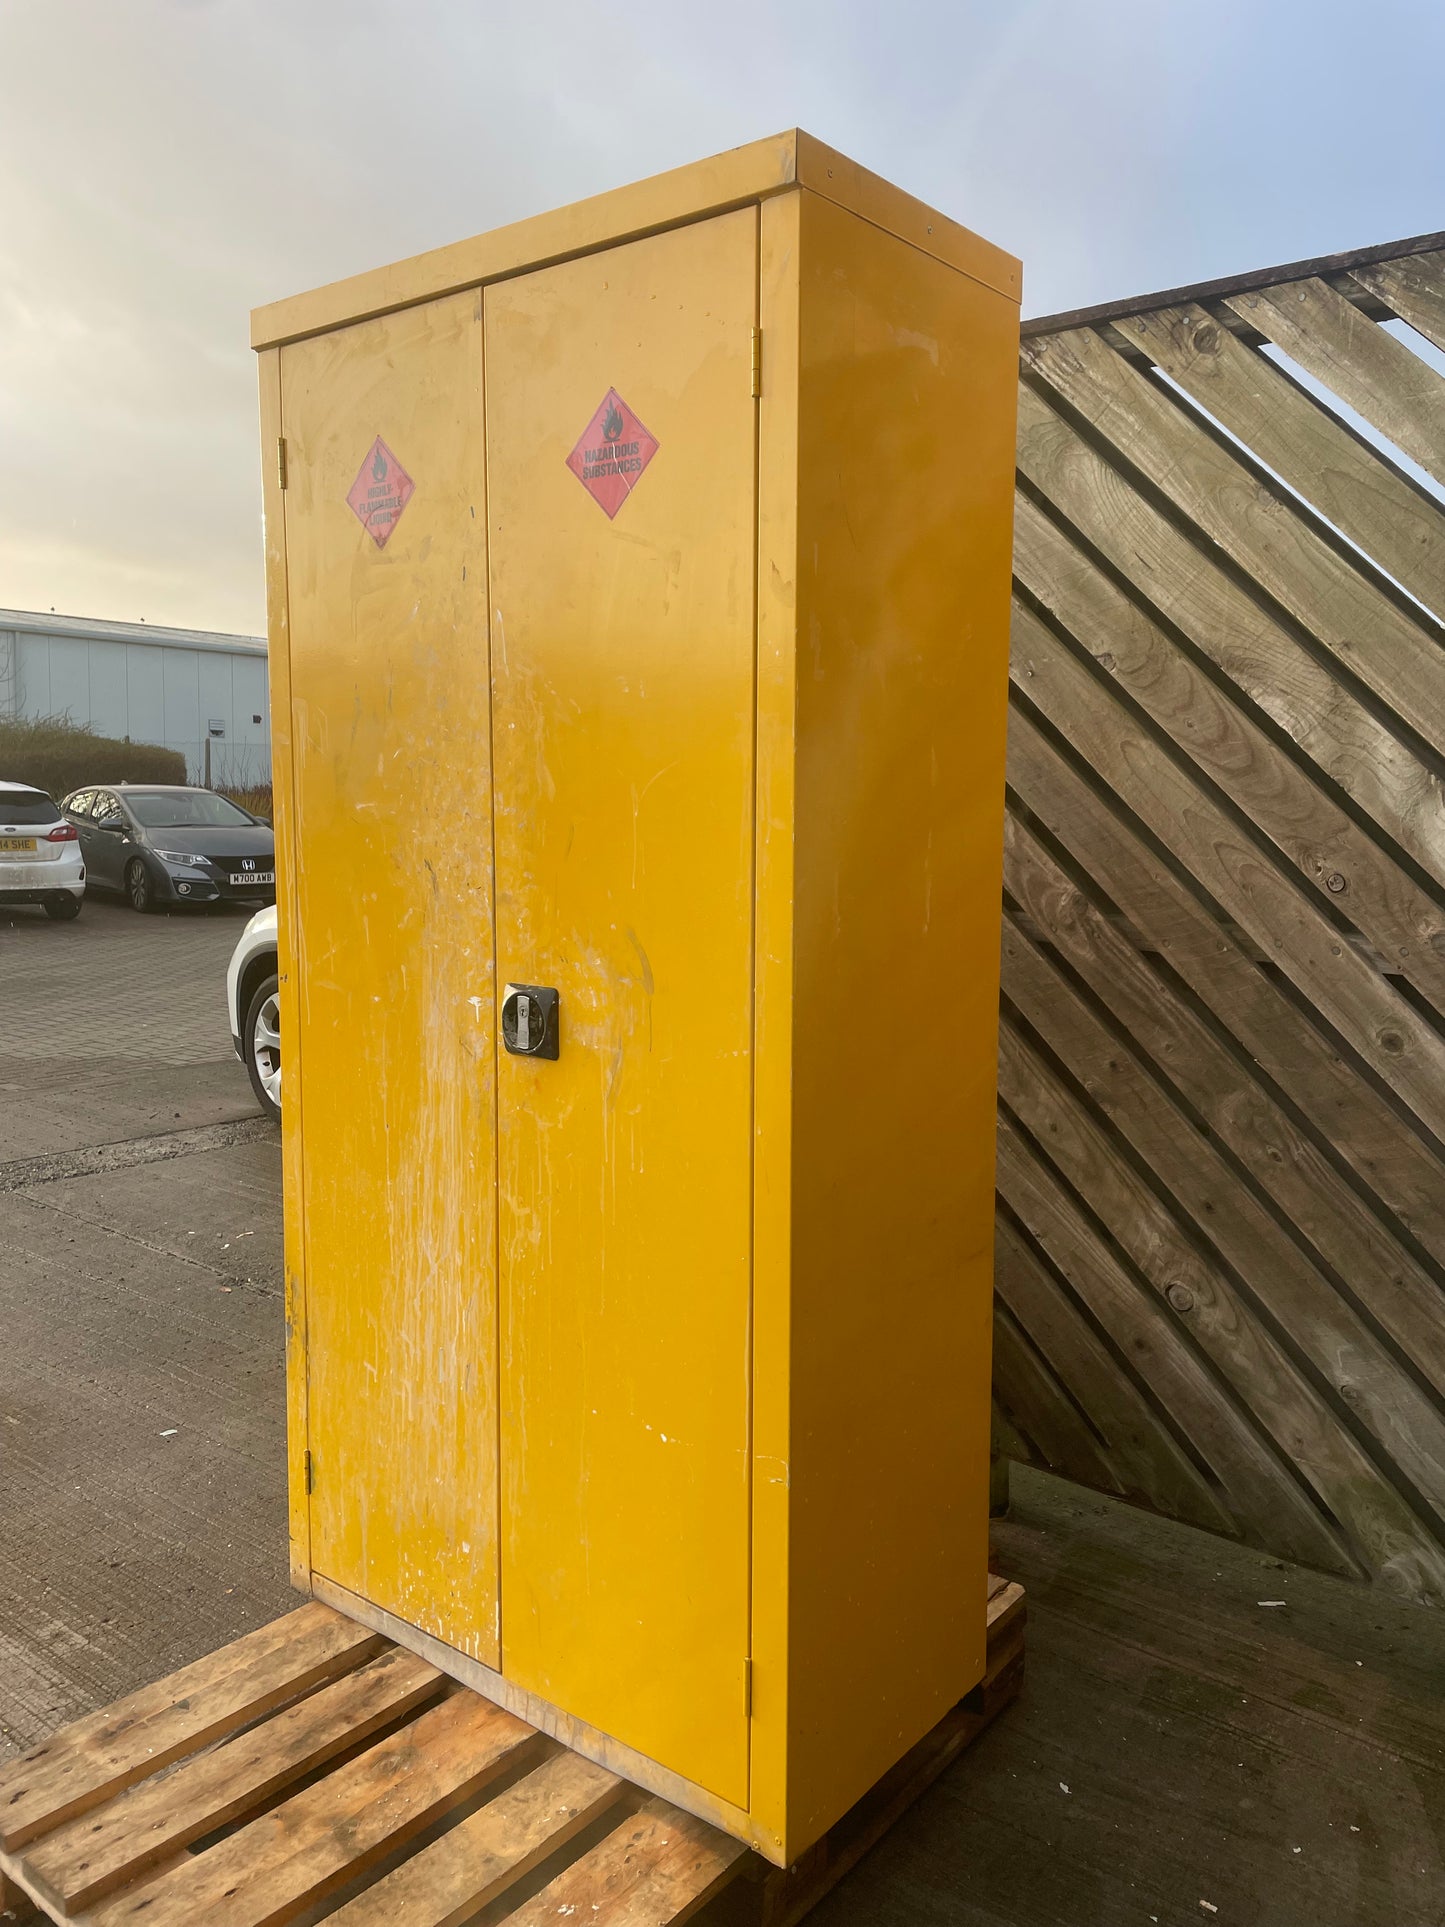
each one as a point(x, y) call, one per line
point(638, 595)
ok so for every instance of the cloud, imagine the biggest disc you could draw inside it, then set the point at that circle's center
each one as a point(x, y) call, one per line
point(166, 167)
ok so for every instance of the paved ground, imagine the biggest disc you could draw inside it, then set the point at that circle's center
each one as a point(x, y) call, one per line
point(114, 1026)
point(1182, 1752)
point(141, 1426)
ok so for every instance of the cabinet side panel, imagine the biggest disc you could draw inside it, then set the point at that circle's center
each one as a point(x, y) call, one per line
point(906, 437)
point(278, 658)
point(773, 1004)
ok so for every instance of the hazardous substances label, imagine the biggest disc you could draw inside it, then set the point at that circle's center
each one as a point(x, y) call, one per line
point(612, 453)
point(380, 492)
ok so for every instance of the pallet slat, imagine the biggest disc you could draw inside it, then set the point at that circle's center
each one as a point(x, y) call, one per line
point(656, 1868)
point(83, 1861)
point(414, 1812)
point(491, 1850)
point(321, 1838)
point(178, 1715)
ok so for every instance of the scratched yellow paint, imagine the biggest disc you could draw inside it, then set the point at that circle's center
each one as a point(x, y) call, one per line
point(393, 1006)
point(655, 1378)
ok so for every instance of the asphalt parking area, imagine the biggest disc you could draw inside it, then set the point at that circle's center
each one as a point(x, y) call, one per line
point(142, 1410)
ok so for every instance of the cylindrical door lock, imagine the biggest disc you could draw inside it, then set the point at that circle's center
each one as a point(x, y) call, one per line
point(529, 1020)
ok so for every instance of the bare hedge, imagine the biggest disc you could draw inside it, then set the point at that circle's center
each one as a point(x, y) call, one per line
point(61, 756)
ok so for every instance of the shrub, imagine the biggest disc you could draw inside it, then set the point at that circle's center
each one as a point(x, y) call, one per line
point(255, 797)
point(59, 756)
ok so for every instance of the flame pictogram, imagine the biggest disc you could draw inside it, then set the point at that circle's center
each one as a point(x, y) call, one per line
point(380, 492)
point(611, 453)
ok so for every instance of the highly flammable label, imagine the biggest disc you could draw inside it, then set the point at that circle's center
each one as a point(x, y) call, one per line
point(380, 492)
point(613, 451)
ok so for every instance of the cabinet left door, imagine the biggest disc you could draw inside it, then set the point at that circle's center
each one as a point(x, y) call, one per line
point(390, 1072)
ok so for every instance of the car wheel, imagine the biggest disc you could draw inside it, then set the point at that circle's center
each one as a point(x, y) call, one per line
point(62, 909)
point(139, 889)
point(261, 1041)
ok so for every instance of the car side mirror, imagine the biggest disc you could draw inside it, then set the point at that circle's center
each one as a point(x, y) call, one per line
point(115, 824)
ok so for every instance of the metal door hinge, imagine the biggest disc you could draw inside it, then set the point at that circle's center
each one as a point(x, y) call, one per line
point(747, 1689)
point(757, 367)
point(310, 1472)
point(281, 461)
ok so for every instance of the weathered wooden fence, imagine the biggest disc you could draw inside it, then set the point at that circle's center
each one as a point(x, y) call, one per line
point(1221, 1257)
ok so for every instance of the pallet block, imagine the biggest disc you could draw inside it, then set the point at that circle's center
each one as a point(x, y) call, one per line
point(314, 1770)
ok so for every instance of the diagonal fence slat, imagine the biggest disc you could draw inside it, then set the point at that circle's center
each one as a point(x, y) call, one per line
point(1400, 395)
point(1354, 487)
point(1027, 1394)
point(1360, 1127)
point(1257, 527)
point(1144, 1451)
point(1266, 1143)
point(1346, 741)
point(1252, 1486)
point(1224, 739)
point(1332, 1343)
point(1222, 1063)
point(1414, 288)
point(1396, 1040)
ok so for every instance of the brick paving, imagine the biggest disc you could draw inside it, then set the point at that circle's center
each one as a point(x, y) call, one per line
point(115, 984)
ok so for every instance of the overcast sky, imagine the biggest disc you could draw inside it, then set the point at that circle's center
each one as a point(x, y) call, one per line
point(166, 165)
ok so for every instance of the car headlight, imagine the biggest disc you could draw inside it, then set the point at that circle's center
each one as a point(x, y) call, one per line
point(182, 857)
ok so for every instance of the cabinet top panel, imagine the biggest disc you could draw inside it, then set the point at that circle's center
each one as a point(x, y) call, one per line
point(764, 168)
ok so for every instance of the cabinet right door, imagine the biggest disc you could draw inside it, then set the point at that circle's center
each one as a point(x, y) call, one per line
point(621, 509)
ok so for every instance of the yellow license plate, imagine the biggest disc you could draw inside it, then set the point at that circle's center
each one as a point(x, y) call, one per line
point(18, 843)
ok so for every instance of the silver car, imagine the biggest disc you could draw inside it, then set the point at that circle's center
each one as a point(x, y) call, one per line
point(40, 859)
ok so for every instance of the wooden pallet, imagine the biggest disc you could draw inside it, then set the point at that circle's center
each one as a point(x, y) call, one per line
point(314, 1770)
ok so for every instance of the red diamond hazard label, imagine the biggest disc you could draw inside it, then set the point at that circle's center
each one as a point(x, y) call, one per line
point(614, 450)
point(380, 492)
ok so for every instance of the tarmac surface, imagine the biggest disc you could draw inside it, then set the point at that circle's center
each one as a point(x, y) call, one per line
point(1205, 1734)
point(142, 1419)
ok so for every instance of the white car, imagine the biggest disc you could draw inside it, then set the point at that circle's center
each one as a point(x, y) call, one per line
point(40, 860)
point(251, 1000)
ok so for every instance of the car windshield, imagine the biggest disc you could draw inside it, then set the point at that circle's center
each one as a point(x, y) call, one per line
point(26, 806)
point(185, 810)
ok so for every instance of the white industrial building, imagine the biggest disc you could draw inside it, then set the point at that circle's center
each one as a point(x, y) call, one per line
point(180, 687)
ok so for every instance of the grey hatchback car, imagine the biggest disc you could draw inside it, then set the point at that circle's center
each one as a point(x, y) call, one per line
point(165, 845)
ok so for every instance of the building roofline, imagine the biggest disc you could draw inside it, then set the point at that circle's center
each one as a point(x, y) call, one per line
point(33, 622)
